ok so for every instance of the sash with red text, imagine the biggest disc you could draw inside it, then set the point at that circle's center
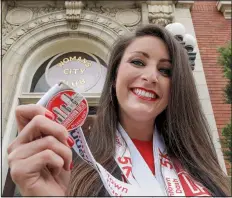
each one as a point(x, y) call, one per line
point(139, 179)
point(170, 177)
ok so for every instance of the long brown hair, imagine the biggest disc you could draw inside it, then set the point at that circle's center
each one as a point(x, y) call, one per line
point(182, 125)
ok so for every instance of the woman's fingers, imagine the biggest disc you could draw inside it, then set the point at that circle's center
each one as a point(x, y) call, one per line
point(25, 113)
point(49, 142)
point(39, 127)
point(40, 157)
point(31, 167)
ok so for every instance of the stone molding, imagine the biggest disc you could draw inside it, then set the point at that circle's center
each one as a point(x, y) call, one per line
point(129, 17)
point(4, 9)
point(59, 17)
point(36, 3)
point(184, 4)
point(225, 8)
point(152, 2)
point(109, 12)
point(73, 12)
point(7, 28)
point(111, 4)
point(161, 14)
point(37, 12)
point(18, 16)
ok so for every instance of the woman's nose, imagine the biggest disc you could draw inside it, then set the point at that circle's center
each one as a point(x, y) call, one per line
point(150, 75)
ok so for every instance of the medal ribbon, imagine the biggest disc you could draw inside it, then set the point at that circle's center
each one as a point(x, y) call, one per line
point(140, 180)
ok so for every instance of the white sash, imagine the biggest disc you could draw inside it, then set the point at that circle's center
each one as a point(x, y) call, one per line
point(114, 186)
point(141, 172)
point(140, 180)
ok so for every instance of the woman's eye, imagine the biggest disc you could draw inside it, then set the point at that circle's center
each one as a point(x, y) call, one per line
point(166, 72)
point(137, 62)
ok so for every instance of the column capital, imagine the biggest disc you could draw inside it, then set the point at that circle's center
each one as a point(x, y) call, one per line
point(184, 4)
point(160, 12)
point(225, 8)
point(73, 12)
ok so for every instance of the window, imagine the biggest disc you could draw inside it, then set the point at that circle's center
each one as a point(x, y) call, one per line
point(83, 72)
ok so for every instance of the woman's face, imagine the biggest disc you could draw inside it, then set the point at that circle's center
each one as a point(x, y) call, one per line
point(143, 79)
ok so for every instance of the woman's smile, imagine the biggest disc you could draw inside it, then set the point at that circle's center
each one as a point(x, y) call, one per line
point(144, 94)
point(143, 80)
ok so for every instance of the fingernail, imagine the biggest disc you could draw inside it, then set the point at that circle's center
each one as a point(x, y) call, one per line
point(70, 141)
point(71, 166)
point(49, 115)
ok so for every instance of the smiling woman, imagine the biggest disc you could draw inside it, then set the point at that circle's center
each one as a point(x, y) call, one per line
point(150, 95)
point(143, 85)
point(150, 133)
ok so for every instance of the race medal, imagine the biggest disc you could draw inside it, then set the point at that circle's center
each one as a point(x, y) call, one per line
point(69, 108)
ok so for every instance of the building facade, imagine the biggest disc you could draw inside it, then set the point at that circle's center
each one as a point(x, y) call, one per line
point(213, 30)
point(41, 40)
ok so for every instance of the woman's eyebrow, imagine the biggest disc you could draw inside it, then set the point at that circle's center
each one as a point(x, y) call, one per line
point(165, 60)
point(143, 53)
point(147, 55)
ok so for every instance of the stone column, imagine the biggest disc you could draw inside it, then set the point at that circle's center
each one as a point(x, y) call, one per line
point(144, 12)
point(4, 11)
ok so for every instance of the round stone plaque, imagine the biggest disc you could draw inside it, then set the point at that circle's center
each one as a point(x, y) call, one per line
point(128, 17)
point(18, 16)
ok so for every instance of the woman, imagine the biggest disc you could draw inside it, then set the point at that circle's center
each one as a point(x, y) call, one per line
point(149, 85)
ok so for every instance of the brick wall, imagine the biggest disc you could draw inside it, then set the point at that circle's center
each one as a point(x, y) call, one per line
point(212, 31)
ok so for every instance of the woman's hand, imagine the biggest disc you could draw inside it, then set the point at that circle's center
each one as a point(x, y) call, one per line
point(40, 158)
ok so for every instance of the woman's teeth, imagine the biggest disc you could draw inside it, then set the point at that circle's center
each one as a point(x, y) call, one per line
point(144, 93)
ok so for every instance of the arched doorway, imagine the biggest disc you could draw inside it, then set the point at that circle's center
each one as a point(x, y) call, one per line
point(31, 44)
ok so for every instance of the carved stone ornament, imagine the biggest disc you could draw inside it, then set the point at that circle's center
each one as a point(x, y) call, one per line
point(19, 16)
point(109, 12)
point(73, 12)
point(13, 18)
point(128, 17)
point(183, 4)
point(19, 31)
point(44, 10)
point(56, 17)
point(7, 28)
point(160, 14)
point(225, 8)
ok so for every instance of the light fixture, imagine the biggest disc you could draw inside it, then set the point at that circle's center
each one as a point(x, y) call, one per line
point(187, 40)
point(168, 27)
point(190, 42)
point(177, 29)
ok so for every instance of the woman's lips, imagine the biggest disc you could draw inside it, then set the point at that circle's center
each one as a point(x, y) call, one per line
point(144, 94)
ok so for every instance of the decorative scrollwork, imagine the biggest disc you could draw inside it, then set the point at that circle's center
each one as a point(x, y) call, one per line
point(7, 28)
point(51, 18)
point(73, 12)
point(160, 14)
